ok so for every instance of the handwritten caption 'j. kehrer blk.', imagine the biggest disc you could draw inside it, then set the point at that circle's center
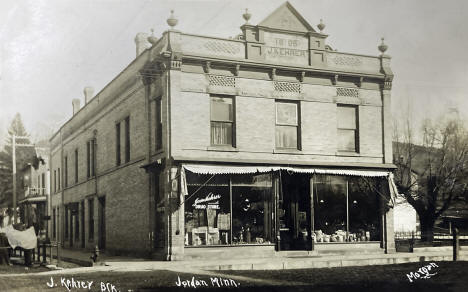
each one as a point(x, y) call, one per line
point(71, 283)
point(423, 273)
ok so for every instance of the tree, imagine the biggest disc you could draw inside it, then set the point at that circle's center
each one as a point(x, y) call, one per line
point(432, 175)
point(23, 155)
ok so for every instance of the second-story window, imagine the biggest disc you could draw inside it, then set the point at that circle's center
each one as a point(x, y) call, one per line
point(65, 178)
point(117, 144)
point(158, 114)
point(222, 121)
point(55, 181)
point(93, 157)
point(348, 128)
point(43, 183)
point(287, 125)
point(90, 158)
point(58, 178)
point(76, 165)
point(127, 139)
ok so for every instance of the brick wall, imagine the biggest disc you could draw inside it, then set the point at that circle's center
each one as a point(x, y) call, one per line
point(124, 187)
point(255, 122)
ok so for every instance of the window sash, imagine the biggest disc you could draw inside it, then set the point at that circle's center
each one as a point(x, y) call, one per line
point(286, 114)
point(117, 144)
point(222, 109)
point(127, 139)
point(76, 166)
point(347, 117)
point(221, 133)
point(347, 140)
point(88, 159)
point(158, 129)
point(286, 137)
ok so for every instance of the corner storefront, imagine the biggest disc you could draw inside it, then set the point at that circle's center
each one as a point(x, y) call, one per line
point(283, 208)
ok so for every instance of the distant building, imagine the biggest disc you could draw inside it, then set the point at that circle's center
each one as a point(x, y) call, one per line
point(33, 193)
point(251, 145)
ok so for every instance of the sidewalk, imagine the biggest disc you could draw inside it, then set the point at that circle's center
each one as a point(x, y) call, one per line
point(279, 262)
point(83, 257)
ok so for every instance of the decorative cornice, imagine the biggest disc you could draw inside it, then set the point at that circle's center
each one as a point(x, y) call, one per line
point(273, 74)
point(335, 79)
point(236, 70)
point(361, 79)
point(301, 76)
point(207, 66)
point(387, 85)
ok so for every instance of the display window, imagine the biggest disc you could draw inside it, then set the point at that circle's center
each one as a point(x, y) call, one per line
point(346, 209)
point(214, 201)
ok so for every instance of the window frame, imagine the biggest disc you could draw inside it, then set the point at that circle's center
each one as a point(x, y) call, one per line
point(297, 126)
point(233, 122)
point(65, 178)
point(159, 125)
point(118, 146)
point(127, 139)
point(355, 130)
point(76, 166)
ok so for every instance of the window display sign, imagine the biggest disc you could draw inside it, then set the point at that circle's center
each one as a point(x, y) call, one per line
point(210, 201)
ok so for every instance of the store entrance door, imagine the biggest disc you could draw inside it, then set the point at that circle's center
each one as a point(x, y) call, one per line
point(294, 213)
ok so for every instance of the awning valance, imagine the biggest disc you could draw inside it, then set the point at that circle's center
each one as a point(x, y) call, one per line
point(34, 199)
point(223, 169)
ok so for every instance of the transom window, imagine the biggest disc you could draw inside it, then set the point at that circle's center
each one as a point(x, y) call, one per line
point(287, 125)
point(222, 121)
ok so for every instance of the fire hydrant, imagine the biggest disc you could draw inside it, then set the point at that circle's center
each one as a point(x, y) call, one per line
point(95, 254)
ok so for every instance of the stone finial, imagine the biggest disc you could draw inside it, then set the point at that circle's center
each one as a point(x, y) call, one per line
point(172, 21)
point(321, 26)
point(383, 47)
point(247, 15)
point(152, 39)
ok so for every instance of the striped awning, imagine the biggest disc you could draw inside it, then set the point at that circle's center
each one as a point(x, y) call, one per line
point(229, 169)
point(224, 169)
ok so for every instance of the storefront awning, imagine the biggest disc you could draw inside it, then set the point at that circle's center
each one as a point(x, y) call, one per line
point(33, 200)
point(223, 169)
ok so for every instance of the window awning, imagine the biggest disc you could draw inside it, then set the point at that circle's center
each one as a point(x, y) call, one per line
point(36, 199)
point(223, 169)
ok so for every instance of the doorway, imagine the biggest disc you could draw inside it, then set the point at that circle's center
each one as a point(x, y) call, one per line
point(294, 212)
point(102, 222)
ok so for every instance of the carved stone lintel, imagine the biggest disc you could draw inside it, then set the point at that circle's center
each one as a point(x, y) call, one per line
point(207, 67)
point(236, 70)
point(335, 79)
point(273, 74)
point(361, 79)
point(301, 76)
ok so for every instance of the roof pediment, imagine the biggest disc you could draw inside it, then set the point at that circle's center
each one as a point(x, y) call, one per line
point(286, 17)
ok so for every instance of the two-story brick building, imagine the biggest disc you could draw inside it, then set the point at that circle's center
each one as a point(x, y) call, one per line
point(207, 146)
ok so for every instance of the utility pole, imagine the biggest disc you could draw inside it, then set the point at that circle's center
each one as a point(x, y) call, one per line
point(13, 152)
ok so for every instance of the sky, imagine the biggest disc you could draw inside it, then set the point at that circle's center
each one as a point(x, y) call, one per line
point(50, 50)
